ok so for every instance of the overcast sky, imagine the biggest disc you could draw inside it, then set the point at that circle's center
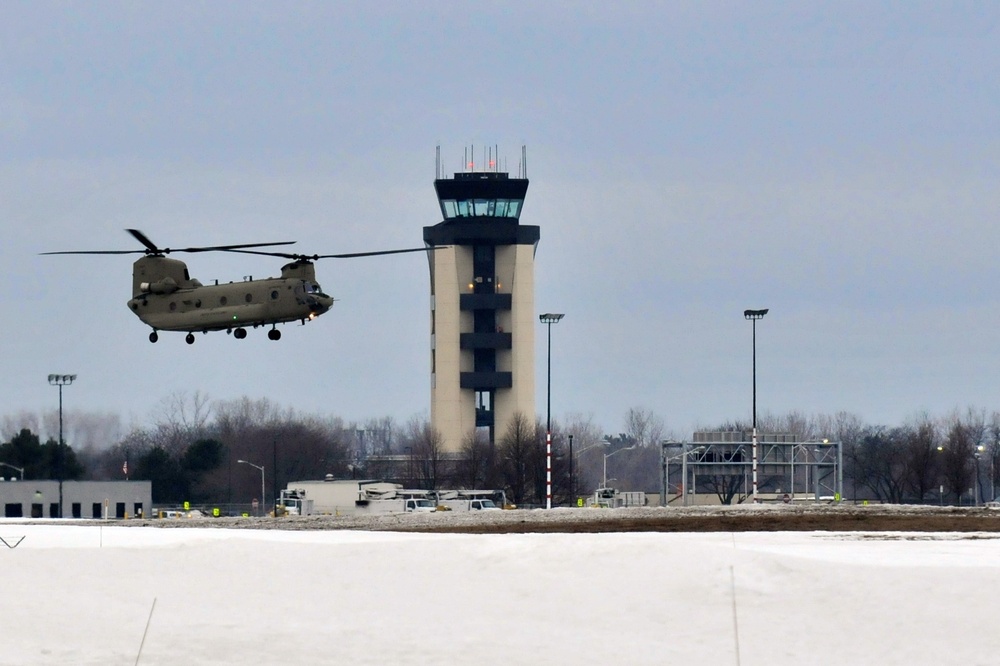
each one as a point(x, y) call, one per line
point(834, 162)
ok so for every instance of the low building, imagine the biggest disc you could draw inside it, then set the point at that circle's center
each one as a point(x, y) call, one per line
point(80, 499)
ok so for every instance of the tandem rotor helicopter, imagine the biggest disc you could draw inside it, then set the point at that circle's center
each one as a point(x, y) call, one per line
point(166, 298)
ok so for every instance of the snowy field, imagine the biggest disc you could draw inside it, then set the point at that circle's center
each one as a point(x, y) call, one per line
point(142, 595)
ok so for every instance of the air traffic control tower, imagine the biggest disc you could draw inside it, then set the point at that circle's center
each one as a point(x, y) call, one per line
point(482, 304)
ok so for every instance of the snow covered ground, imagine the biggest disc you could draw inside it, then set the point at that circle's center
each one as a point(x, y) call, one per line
point(75, 594)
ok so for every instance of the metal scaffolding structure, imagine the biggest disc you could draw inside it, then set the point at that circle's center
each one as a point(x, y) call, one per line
point(720, 463)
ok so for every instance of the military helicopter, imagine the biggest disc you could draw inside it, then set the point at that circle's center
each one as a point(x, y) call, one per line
point(166, 298)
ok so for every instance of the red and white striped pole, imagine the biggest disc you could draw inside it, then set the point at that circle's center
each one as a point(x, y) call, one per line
point(548, 319)
point(753, 316)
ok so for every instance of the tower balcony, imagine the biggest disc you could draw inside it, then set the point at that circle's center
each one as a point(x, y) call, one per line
point(485, 341)
point(483, 381)
point(485, 301)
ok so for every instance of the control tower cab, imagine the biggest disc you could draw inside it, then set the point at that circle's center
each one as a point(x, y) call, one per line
point(482, 305)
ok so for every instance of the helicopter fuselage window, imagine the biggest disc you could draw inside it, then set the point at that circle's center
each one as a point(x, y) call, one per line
point(274, 295)
point(223, 300)
point(248, 297)
point(173, 306)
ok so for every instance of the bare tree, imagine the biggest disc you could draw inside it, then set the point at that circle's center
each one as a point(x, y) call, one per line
point(427, 446)
point(23, 420)
point(643, 427)
point(588, 445)
point(288, 445)
point(957, 456)
point(921, 442)
point(518, 455)
point(477, 460)
point(727, 487)
point(881, 463)
point(993, 451)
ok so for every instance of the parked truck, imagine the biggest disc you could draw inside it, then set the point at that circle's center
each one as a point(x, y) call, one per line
point(339, 497)
point(472, 500)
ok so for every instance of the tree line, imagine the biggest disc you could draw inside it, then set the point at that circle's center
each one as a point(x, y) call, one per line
point(211, 452)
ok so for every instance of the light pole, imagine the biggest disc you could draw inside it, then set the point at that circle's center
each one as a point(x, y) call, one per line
point(409, 464)
point(666, 471)
point(572, 492)
point(19, 469)
point(591, 446)
point(548, 319)
point(60, 381)
point(604, 484)
point(993, 491)
point(261, 468)
point(979, 480)
point(753, 316)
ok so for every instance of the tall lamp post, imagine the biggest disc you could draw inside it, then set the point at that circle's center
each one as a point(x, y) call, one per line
point(608, 455)
point(261, 468)
point(548, 319)
point(572, 486)
point(60, 381)
point(753, 316)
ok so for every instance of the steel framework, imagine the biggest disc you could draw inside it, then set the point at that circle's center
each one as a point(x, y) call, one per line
point(788, 467)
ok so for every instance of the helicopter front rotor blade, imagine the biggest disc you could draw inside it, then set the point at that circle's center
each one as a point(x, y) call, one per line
point(141, 237)
point(231, 248)
point(98, 252)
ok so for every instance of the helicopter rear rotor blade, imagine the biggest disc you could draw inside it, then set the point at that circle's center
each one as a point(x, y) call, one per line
point(152, 249)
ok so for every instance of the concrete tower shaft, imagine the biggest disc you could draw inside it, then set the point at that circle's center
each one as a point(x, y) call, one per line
point(482, 306)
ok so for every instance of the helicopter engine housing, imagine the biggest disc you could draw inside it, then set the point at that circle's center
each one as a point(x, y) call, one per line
point(167, 285)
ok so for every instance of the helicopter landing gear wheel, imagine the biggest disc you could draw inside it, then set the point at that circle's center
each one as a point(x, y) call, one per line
point(189, 338)
point(240, 333)
point(274, 334)
point(153, 337)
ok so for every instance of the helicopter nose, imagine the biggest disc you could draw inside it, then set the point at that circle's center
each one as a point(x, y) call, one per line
point(320, 304)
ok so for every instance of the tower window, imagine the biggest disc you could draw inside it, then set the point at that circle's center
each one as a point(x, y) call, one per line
point(452, 208)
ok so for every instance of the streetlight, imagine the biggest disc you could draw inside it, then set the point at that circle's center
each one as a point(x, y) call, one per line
point(60, 381)
point(608, 455)
point(666, 471)
point(409, 464)
point(753, 316)
point(572, 493)
point(993, 491)
point(979, 480)
point(590, 446)
point(19, 469)
point(548, 319)
point(261, 468)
